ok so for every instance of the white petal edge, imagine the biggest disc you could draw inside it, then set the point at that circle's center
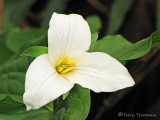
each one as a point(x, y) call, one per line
point(43, 84)
point(99, 72)
point(67, 34)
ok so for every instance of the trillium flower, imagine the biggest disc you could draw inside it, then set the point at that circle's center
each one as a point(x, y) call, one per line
point(67, 63)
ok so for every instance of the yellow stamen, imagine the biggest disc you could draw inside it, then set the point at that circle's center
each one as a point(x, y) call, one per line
point(62, 61)
point(65, 59)
point(60, 69)
point(63, 66)
point(70, 63)
point(67, 70)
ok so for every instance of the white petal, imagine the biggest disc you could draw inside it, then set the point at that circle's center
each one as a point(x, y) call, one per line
point(99, 72)
point(43, 84)
point(67, 34)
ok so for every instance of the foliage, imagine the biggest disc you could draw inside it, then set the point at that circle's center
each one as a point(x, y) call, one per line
point(121, 49)
point(16, 38)
point(94, 23)
point(5, 53)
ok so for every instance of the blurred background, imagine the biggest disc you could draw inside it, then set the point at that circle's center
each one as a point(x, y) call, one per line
point(133, 19)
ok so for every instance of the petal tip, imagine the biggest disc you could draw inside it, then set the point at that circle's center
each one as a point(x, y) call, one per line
point(28, 108)
point(55, 13)
point(133, 83)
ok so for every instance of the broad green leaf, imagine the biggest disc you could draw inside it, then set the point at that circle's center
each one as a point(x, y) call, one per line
point(94, 23)
point(12, 75)
point(118, 12)
point(41, 42)
point(35, 51)
point(20, 113)
point(121, 49)
point(53, 6)
point(155, 38)
point(5, 53)
point(16, 65)
point(15, 11)
point(12, 87)
point(16, 39)
point(75, 107)
point(5, 108)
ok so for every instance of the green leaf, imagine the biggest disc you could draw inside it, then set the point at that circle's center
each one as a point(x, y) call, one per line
point(41, 42)
point(155, 38)
point(94, 23)
point(12, 75)
point(118, 12)
point(35, 51)
point(5, 53)
point(12, 87)
point(16, 65)
point(20, 113)
point(75, 107)
point(94, 38)
point(121, 49)
point(65, 95)
point(16, 39)
point(53, 6)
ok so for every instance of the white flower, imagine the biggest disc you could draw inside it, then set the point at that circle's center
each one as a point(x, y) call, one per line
point(67, 63)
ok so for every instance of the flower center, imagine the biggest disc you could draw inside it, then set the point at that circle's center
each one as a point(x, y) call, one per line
point(64, 66)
